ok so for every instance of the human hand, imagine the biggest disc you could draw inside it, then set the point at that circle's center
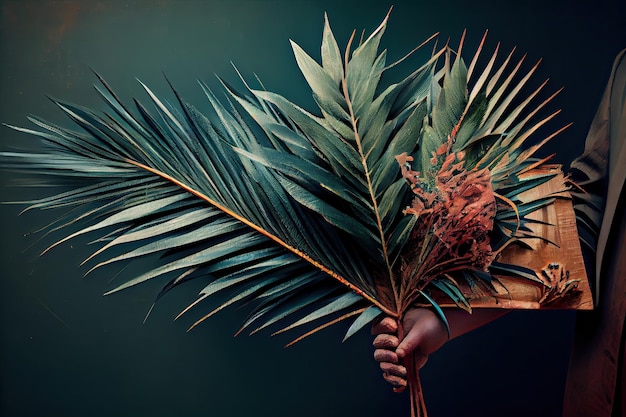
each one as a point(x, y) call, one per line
point(424, 334)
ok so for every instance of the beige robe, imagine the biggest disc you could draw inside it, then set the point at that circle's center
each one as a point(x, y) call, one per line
point(595, 381)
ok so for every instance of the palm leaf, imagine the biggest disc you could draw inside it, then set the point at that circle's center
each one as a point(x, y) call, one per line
point(306, 215)
point(258, 172)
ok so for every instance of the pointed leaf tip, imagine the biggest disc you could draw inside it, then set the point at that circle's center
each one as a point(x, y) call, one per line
point(364, 319)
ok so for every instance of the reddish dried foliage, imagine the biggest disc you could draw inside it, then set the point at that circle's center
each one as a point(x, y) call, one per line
point(455, 218)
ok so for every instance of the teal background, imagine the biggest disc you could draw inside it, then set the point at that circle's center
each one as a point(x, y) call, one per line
point(67, 351)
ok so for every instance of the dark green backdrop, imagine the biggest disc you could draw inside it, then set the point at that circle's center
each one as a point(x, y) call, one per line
point(68, 351)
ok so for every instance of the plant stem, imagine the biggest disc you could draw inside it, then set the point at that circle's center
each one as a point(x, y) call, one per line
point(418, 406)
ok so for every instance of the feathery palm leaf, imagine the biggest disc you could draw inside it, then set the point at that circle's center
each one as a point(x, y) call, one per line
point(387, 194)
point(269, 199)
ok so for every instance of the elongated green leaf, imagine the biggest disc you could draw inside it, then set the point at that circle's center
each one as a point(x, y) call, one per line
point(199, 258)
point(451, 102)
point(331, 57)
point(337, 304)
point(285, 307)
point(515, 270)
point(332, 215)
point(212, 230)
point(162, 226)
point(127, 215)
point(303, 170)
point(365, 318)
point(438, 310)
point(322, 84)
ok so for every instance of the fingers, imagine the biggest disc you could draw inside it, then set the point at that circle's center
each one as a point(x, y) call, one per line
point(386, 341)
point(386, 355)
point(424, 334)
point(387, 325)
point(399, 384)
point(395, 375)
point(393, 369)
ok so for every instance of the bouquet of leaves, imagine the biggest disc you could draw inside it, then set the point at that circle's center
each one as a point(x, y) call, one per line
point(387, 196)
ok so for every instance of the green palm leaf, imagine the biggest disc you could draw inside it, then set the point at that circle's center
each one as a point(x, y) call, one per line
point(305, 213)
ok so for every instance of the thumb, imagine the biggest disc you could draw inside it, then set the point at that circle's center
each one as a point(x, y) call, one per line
point(411, 341)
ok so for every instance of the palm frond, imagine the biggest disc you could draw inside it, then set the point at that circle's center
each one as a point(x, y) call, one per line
point(308, 215)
